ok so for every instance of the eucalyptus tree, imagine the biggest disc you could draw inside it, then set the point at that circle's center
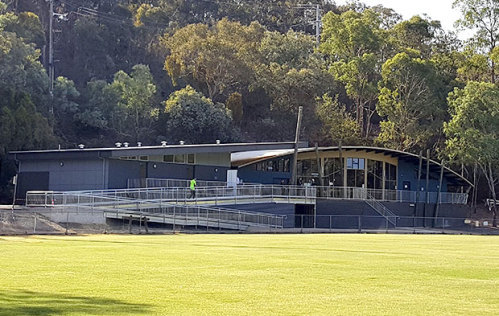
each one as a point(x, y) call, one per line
point(412, 102)
point(473, 133)
point(482, 16)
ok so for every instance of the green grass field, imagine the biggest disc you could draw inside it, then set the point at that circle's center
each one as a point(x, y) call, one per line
point(250, 274)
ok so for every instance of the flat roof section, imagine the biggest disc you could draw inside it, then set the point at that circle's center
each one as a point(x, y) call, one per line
point(116, 152)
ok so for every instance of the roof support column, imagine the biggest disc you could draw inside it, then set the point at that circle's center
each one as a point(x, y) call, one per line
point(383, 180)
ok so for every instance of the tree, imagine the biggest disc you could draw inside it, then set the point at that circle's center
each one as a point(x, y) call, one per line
point(100, 109)
point(21, 128)
point(412, 100)
point(292, 74)
point(216, 60)
point(235, 104)
point(26, 25)
point(360, 78)
point(20, 68)
point(338, 124)
point(417, 33)
point(473, 67)
point(351, 34)
point(196, 119)
point(136, 92)
point(355, 44)
point(473, 134)
point(482, 16)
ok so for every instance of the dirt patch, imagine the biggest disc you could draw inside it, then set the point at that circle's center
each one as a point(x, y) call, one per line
point(19, 223)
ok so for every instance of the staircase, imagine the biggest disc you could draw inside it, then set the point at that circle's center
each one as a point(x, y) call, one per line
point(382, 210)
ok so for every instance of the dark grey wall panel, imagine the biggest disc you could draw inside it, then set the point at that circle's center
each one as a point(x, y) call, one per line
point(169, 170)
point(121, 170)
point(31, 181)
point(211, 173)
point(67, 174)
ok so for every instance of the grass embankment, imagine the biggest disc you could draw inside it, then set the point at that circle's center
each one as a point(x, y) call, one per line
point(250, 274)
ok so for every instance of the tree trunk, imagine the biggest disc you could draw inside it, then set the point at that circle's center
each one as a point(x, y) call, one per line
point(489, 175)
point(494, 198)
point(493, 72)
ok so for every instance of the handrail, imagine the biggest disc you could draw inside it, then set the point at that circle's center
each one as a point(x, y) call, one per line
point(254, 192)
point(118, 204)
point(157, 182)
point(355, 193)
point(225, 216)
point(382, 210)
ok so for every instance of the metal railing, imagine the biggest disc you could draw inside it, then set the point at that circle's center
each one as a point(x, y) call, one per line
point(353, 193)
point(243, 194)
point(185, 215)
point(409, 224)
point(158, 210)
point(382, 210)
point(170, 183)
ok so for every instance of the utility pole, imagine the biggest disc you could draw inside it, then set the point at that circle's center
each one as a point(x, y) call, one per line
point(317, 24)
point(51, 66)
point(295, 153)
point(51, 52)
point(315, 21)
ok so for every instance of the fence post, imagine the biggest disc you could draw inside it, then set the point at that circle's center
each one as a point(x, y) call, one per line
point(67, 222)
point(34, 224)
point(330, 224)
point(140, 222)
point(174, 218)
point(359, 223)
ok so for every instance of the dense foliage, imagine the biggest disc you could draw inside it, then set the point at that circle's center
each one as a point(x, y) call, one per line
point(238, 70)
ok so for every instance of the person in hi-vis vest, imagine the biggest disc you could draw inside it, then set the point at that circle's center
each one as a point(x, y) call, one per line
point(193, 188)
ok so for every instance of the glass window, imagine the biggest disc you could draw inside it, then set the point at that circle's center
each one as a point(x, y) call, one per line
point(333, 172)
point(374, 174)
point(190, 158)
point(309, 171)
point(390, 177)
point(168, 158)
point(356, 163)
point(287, 162)
point(355, 178)
point(280, 165)
point(144, 158)
point(179, 158)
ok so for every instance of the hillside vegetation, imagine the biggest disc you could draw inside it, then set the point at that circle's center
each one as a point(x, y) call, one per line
point(197, 71)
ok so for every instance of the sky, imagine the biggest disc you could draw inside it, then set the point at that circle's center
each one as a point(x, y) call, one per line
point(440, 10)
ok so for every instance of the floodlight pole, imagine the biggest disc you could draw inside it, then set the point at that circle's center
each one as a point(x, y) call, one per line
point(295, 153)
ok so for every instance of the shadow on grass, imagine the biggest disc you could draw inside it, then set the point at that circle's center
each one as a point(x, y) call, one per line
point(37, 303)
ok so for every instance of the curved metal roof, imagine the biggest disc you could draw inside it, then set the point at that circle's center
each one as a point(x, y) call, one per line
point(435, 166)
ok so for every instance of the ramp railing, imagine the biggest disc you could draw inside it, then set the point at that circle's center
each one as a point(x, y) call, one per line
point(242, 194)
point(170, 183)
point(159, 210)
point(188, 215)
